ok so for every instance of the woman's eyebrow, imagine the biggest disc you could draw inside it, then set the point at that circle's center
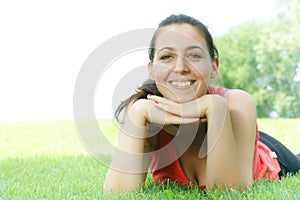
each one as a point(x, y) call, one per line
point(165, 48)
point(196, 47)
point(187, 48)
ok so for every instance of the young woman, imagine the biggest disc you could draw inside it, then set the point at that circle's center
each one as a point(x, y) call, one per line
point(184, 129)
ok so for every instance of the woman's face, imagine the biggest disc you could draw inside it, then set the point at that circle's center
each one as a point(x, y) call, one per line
point(182, 67)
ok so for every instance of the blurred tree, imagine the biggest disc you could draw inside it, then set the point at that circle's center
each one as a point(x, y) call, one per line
point(296, 11)
point(262, 58)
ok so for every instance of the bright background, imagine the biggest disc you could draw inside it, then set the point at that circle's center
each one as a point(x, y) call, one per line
point(43, 45)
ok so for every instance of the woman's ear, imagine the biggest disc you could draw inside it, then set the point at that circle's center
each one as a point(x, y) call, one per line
point(215, 66)
point(216, 63)
point(150, 70)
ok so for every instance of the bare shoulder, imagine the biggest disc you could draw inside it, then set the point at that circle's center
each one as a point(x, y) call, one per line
point(237, 96)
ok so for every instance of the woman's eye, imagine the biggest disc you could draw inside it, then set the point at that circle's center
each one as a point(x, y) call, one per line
point(194, 56)
point(166, 57)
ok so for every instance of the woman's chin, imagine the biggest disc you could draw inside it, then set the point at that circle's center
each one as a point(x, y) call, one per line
point(182, 99)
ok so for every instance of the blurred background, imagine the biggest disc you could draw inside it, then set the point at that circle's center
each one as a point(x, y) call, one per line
point(43, 45)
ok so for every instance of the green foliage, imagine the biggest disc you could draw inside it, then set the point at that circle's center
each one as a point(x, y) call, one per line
point(262, 58)
point(296, 11)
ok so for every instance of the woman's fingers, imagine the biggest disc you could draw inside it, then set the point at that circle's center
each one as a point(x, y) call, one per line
point(188, 109)
point(160, 100)
point(152, 113)
point(156, 114)
point(166, 105)
point(196, 108)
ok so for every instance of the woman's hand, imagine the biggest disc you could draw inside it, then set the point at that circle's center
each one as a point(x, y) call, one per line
point(145, 111)
point(194, 109)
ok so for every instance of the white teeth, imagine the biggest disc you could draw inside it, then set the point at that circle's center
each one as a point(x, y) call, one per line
point(181, 83)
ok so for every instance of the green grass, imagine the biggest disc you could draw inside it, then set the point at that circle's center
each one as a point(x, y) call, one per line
point(46, 160)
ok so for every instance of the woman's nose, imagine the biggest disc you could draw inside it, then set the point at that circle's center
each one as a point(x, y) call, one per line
point(181, 65)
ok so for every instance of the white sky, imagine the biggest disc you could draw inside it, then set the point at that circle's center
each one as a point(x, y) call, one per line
point(43, 44)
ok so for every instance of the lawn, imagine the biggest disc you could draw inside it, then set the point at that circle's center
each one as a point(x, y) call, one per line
point(46, 160)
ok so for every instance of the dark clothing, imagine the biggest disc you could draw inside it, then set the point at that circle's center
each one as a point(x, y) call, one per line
point(289, 162)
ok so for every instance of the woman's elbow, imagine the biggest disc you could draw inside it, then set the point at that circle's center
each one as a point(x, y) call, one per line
point(121, 183)
point(243, 183)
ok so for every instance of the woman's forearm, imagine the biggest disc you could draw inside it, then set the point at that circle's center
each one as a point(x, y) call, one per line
point(222, 168)
point(129, 163)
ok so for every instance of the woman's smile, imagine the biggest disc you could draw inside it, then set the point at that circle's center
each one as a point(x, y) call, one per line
point(181, 84)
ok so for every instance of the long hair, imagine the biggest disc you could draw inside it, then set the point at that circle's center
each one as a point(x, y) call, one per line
point(148, 87)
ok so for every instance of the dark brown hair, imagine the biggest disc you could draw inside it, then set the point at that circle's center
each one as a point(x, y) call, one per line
point(149, 86)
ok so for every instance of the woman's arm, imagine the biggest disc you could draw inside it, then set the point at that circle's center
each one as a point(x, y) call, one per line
point(130, 162)
point(230, 138)
point(222, 164)
point(242, 110)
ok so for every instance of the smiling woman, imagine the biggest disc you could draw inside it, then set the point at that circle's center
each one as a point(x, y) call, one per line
point(184, 129)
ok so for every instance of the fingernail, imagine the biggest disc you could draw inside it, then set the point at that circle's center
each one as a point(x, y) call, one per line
point(149, 95)
point(156, 102)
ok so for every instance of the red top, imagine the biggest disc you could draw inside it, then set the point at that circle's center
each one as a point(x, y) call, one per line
point(264, 166)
